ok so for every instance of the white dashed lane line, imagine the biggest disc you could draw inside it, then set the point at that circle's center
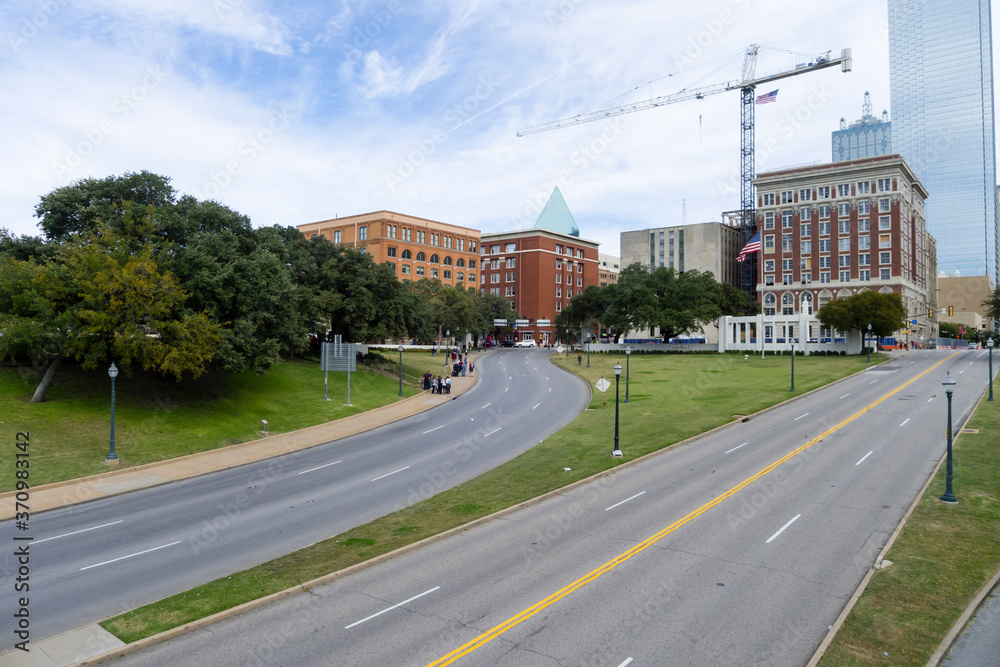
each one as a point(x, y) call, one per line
point(801, 416)
point(325, 465)
point(863, 458)
point(390, 473)
point(904, 422)
point(737, 447)
point(75, 532)
point(433, 429)
point(782, 529)
point(624, 501)
point(395, 606)
point(139, 553)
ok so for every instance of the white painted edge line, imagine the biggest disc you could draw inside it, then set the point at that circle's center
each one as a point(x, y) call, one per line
point(873, 381)
point(904, 421)
point(864, 457)
point(115, 560)
point(84, 530)
point(627, 661)
point(782, 529)
point(801, 416)
point(845, 395)
point(325, 465)
point(737, 447)
point(536, 405)
point(487, 405)
point(390, 473)
point(624, 501)
point(400, 604)
point(491, 432)
point(437, 427)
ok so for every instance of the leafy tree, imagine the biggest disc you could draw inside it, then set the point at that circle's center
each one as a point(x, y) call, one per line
point(734, 301)
point(24, 247)
point(949, 329)
point(584, 310)
point(885, 312)
point(992, 304)
point(630, 302)
point(492, 307)
point(684, 302)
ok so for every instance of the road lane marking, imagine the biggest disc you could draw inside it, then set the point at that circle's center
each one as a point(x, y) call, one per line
point(873, 382)
point(433, 429)
point(525, 614)
point(863, 458)
point(930, 399)
point(624, 501)
point(904, 422)
point(800, 417)
point(846, 395)
point(75, 532)
point(627, 661)
point(487, 405)
point(737, 447)
point(325, 465)
point(395, 606)
point(115, 560)
point(491, 432)
point(506, 390)
point(961, 371)
point(389, 473)
point(536, 405)
point(782, 529)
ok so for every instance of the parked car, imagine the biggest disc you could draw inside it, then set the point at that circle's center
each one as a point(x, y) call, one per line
point(507, 343)
point(525, 343)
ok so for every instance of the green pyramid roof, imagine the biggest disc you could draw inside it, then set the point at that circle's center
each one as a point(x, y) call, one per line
point(555, 217)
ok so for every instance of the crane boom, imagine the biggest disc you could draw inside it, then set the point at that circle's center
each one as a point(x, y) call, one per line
point(746, 85)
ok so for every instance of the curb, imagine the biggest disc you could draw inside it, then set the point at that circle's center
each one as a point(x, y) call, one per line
point(963, 621)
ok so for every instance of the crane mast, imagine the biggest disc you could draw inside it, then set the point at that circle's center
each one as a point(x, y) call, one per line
point(746, 85)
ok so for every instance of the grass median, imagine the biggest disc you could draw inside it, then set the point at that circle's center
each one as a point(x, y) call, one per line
point(944, 555)
point(157, 419)
point(671, 398)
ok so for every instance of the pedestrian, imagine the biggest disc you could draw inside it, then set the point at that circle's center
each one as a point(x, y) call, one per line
point(465, 362)
point(472, 367)
point(579, 359)
point(447, 385)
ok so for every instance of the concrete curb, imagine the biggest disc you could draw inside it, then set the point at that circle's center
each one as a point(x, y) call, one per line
point(825, 644)
point(962, 622)
point(327, 578)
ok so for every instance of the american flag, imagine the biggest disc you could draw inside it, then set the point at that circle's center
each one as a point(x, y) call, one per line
point(752, 246)
point(768, 97)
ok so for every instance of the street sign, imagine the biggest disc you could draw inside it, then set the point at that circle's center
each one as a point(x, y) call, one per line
point(602, 385)
point(914, 321)
point(543, 323)
point(499, 323)
point(522, 323)
point(559, 349)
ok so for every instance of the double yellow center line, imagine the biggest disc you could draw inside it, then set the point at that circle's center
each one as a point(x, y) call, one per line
point(498, 630)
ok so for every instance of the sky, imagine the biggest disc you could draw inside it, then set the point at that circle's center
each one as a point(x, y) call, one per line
point(297, 112)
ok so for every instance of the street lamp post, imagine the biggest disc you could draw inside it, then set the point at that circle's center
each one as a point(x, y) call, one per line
point(793, 367)
point(447, 346)
point(618, 376)
point(112, 373)
point(588, 349)
point(868, 345)
point(989, 346)
point(400, 370)
point(949, 495)
point(628, 353)
point(567, 343)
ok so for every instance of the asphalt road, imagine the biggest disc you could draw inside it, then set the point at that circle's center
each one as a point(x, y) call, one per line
point(94, 560)
point(740, 548)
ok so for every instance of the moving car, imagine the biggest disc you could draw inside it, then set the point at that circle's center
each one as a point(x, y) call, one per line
point(973, 345)
point(525, 343)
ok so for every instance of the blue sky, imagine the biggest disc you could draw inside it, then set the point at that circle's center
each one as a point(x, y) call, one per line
point(297, 112)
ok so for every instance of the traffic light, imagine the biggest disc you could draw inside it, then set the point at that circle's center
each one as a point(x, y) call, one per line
point(930, 314)
point(951, 311)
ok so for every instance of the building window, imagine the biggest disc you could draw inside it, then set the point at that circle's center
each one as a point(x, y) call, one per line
point(885, 274)
point(434, 273)
point(769, 265)
point(579, 268)
point(824, 212)
point(362, 233)
point(769, 280)
point(844, 244)
point(885, 258)
point(472, 278)
point(511, 261)
point(843, 189)
point(844, 260)
point(865, 275)
point(824, 276)
point(786, 279)
point(472, 263)
point(558, 306)
point(824, 229)
point(769, 303)
point(460, 262)
point(336, 236)
point(884, 184)
point(558, 279)
point(434, 259)
point(769, 243)
point(824, 262)
point(864, 225)
point(559, 292)
point(579, 281)
point(769, 220)
point(864, 187)
point(805, 214)
point(421, 257)
point(769, 199)
point(805, 247)
point(864, 208)
point(845, 276)
point(559, 249)
point(824, 245)
point(787, 264)
point(786, 219)
point(405, 270)
point(883, 206)
point(460, 276)
point(510, 290)
point(805, 231)
point(884, 240)
point(510, 247)
point(844, 211)
point(494, 264)
point(864, 242)
point(864, 259)
point(447, 274)
point(786, 243)
point(447, 242)
point(884, 222)
point(510, 277)
point(805, 195)
point(495, 249)
point(472, 246)
point(407, 254)
point(447, 261)
point(420, 270)
point(823, 192)
point(807, 278)
point(805, 263)
point(843, 226)
point(579, 253)
point(787, 196)
point(390, 251)
point(787, 303)
point(495, 278)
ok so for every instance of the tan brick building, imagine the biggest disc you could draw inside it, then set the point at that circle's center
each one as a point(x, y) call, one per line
point(416, 248)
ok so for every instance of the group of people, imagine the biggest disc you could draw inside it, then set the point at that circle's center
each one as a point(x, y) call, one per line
point(437, 385)
point(460, 366)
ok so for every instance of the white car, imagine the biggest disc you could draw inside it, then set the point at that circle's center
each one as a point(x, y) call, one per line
point(525, 343)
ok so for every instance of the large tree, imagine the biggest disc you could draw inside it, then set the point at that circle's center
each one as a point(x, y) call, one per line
point(685, 302)
point(884, 312)
point(992, 304)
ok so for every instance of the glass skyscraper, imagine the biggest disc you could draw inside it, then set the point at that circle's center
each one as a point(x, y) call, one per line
point(941, 84)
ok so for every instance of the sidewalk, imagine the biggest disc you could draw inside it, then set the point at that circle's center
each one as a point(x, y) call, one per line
point(71, 492)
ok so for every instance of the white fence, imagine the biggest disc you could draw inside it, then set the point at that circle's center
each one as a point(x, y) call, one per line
point(778, 333)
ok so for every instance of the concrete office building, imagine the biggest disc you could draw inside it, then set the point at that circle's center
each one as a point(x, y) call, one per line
point(609, 267)
point(941, 85)
point(706, 246)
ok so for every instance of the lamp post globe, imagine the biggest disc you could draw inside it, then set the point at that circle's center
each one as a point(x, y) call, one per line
point(869, 344)
point(112, 373)
point(949, 494)
point(989, 346)
point(618, 376)
point(628, 355)
point(400, 370)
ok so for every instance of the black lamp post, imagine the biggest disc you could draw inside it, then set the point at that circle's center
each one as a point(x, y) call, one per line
point(989, 346)
point(400, 370)
point(112, 373)
point(793, 367)
point(869, 344)
point(628, 353)
point(447, 347)
point(588, 351)
point(567, 343)
point(949, 495)
point(618, 376)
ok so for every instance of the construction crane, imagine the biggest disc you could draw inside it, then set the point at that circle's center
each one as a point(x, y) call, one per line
point(746, 85)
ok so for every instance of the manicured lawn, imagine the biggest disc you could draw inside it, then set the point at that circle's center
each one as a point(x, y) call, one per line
point(671, 398)
point(159, 419)
point(943, 556)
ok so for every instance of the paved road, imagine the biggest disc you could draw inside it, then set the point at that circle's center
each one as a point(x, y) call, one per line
point(94, 560)
point(979, 644)
point(723, 552)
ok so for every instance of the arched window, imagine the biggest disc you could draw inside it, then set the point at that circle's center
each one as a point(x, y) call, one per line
point(407, 254)
point(460, 262)
point(421, 256)
point(447, 261)
point(434, 259)
point(787, 303)
point(806, 303)
point(769, 303)
point(447, 274)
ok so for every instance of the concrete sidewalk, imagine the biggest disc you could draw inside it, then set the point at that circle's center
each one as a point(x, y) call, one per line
point(71, 492)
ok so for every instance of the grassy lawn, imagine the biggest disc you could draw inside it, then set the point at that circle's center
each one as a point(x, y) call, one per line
point(671, 398)
point(158, 419)
point(943, 556)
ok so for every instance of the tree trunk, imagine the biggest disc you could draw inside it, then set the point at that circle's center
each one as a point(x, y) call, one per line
point(43, 386)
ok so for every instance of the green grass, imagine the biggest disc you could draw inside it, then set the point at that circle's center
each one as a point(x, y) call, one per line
point(671, 398)
point(157, 419)
point(942, 558)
